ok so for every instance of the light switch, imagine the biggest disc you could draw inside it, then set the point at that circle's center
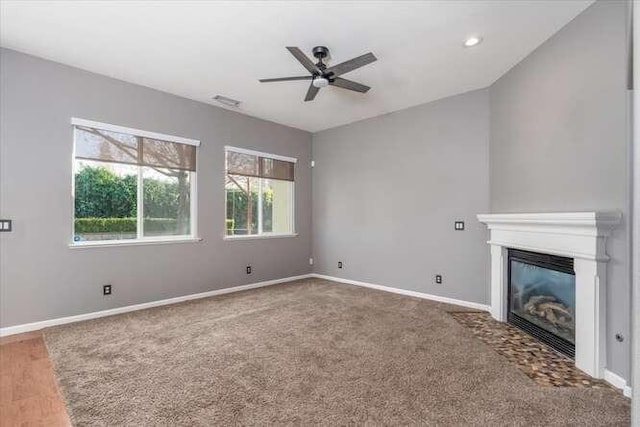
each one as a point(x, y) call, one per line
point(5, 225)
point(458, 225)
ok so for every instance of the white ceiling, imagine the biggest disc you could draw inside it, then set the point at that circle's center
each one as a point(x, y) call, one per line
point(198, 49)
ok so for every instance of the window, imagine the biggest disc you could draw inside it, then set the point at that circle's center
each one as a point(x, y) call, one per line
point(259, 191)
point(132, 185)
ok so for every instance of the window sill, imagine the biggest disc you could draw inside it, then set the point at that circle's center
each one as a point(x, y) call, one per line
point(261, 236)
point(132, 242)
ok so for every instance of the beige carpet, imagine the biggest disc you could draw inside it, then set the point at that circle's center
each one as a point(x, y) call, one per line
point(308, 352)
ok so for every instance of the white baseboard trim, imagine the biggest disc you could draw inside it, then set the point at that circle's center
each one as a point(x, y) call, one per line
point(27, 327)
point(618, 382)
point(422, 295)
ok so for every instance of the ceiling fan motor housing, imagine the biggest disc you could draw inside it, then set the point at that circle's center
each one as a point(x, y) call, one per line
point(320, 52)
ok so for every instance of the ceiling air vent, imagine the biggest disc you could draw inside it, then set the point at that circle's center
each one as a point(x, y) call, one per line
point(226, 101)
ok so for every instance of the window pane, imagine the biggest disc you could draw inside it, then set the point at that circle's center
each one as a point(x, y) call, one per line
point(166, 201)
point(267, 206)
point(105, 201)
point(277, 199)
point(242, 205)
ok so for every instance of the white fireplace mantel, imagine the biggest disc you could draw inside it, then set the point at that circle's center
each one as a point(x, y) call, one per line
point(578, 235)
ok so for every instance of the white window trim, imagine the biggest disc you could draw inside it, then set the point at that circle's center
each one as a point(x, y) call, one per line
point(292, 208)
point(134, 242)
point(260, 236)
point(140, 239)
point(131, 131)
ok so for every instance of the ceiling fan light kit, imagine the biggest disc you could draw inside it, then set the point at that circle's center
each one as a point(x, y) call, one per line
point(320, 82)
point(322, 76)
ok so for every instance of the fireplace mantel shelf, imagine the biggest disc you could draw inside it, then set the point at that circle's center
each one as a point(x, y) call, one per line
point(571, 234)
point(578, 235)
point(572, 222)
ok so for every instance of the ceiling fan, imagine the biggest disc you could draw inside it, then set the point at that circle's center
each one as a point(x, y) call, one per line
point(321, 76)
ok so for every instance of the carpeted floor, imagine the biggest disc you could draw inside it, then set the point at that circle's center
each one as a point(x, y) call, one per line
point(308, 352)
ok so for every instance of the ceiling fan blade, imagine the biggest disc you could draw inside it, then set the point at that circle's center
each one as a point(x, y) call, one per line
point(311, 93)
point(350, 85)
point(352, 64)
point(285, 79)
point(304, 60)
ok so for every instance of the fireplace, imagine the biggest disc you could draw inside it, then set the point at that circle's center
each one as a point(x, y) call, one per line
point(579, 236)
point(541, 297)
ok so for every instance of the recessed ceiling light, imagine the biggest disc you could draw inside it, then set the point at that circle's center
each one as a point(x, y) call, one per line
point(226, 101)
point(472, 41)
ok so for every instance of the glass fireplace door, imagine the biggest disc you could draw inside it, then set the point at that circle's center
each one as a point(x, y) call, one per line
point(542, 297)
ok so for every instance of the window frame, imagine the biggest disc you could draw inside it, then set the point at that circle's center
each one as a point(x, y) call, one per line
point(292, 207)
point(140, 239)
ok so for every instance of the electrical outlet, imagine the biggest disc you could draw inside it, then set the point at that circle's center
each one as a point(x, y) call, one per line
point(438, 278)
point(339, 264)
point(458, 225)
point(106, 290)
point(5, 225)
point(248, 269)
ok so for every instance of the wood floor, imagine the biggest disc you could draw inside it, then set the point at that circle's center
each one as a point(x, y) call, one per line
point(29, 395)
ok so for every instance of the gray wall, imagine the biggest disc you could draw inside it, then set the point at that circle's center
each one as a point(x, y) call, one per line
point(386, 192)
point(41, 278)
point(559, 141)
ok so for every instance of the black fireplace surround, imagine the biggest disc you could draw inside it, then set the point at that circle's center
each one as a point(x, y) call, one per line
point(541, 298)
